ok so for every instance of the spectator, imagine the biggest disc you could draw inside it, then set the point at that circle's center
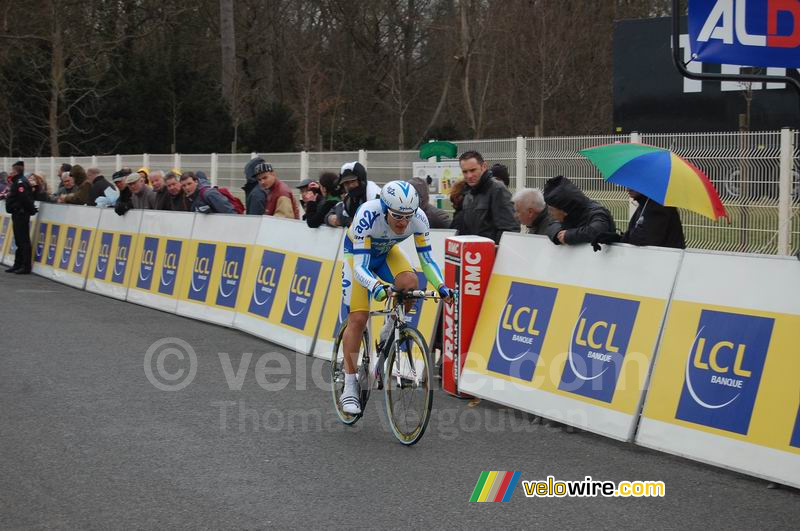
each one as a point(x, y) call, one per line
point(280, 199)
point(317, 211)
point(66, 186)
point(142, 196)
point(353, 181)
point(437, 217)
point(457, 200)
point(124, 202)
point(651, 224)
point(145, 173)
point(531, 211)
point(255, 196)
point(3, 184)
point(157, 182)
point(176, 199)
point(39, 188)
point(488, 211)
point(99, 185)
point(61, 190)
point(309, 193)
point(203, 198)
point(84, 187)
point(574, 217)
point(500, 172)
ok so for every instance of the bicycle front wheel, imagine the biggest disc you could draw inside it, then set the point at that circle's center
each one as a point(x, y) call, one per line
point(408, 383)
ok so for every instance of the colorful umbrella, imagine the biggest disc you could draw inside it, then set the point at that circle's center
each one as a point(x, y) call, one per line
point(659, 174)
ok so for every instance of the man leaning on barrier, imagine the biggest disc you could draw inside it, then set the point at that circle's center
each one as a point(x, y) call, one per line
point(203, 197)
point(175, 199)
point(255, 195)
point(575, 218)
point(531, 211)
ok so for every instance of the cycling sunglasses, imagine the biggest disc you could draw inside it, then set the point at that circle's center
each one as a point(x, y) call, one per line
point(401, 217)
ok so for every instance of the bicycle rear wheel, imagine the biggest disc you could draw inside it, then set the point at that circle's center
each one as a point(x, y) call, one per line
point(408, 384)
point(337, 375)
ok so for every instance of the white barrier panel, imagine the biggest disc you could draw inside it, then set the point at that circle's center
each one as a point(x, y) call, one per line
point(215, 265)
point(288, 279)
point(423, 316)
point(70, 232)
point(569, 334)
point(725, 387)
point(159, 258)
point(115, 240)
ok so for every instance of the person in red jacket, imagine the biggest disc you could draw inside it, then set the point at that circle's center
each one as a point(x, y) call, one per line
point(280, 199)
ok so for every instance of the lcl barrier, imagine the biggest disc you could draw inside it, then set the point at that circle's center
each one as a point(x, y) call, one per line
point(726, 383)
point(564, 333)
point(569, 334)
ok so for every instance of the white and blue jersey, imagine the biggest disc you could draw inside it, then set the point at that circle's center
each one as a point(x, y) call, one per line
point(369, 240)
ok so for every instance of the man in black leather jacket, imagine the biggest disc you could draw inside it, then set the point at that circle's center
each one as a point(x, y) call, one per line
point(574, 217)
point(487, 207)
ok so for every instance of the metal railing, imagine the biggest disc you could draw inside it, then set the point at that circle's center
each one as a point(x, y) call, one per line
point(761, 195)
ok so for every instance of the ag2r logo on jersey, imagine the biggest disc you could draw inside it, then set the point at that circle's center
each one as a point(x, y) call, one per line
point(201, 271)
point(723, 370)
point(51, 248)
point(40, 241)
point(301, 293)
point(598, 345)
point(521, 330)
point(103, 255)
point(83, 248)
point(267, 279)
point(121, 260)
point(148, 263)
point(169, 268)
point(66, 252)
point(231, 276)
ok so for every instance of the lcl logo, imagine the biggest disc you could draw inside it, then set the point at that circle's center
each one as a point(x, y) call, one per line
point(231, 276)
point(723, 370)
point(266, 285)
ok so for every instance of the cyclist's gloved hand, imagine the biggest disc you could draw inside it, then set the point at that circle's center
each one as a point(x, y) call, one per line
point(380, 292)
point(445, 292)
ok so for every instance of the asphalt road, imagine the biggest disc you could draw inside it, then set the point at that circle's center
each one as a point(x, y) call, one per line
point(86, 440)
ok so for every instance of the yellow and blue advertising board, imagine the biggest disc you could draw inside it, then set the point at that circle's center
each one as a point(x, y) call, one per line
point(287, 282)
point(160, 258)
point(5, 228)
point(216, 262)
point(110, 267)
point(725, 387)
point(63, 239)
point(570, 335)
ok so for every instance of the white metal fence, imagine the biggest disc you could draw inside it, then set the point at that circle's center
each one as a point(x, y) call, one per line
point(757, 175)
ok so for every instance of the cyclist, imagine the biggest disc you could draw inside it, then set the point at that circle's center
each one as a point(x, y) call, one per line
point(373, 263)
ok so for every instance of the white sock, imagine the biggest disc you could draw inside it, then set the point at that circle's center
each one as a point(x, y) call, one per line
point(350, 380)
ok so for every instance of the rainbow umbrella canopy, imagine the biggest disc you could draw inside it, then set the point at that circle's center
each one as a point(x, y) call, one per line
point(659, 174)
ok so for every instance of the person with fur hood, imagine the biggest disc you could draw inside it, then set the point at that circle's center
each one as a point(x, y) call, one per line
point(574, 217)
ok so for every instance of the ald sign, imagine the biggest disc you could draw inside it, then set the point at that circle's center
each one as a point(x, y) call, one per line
point(301, 293)
point(723, 370)
point(521, 330)
point(745, 32)
point(598, 345)
point(267, 279)
point(169, 267)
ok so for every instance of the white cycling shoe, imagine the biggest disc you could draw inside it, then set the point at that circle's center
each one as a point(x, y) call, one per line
point(350, 401)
